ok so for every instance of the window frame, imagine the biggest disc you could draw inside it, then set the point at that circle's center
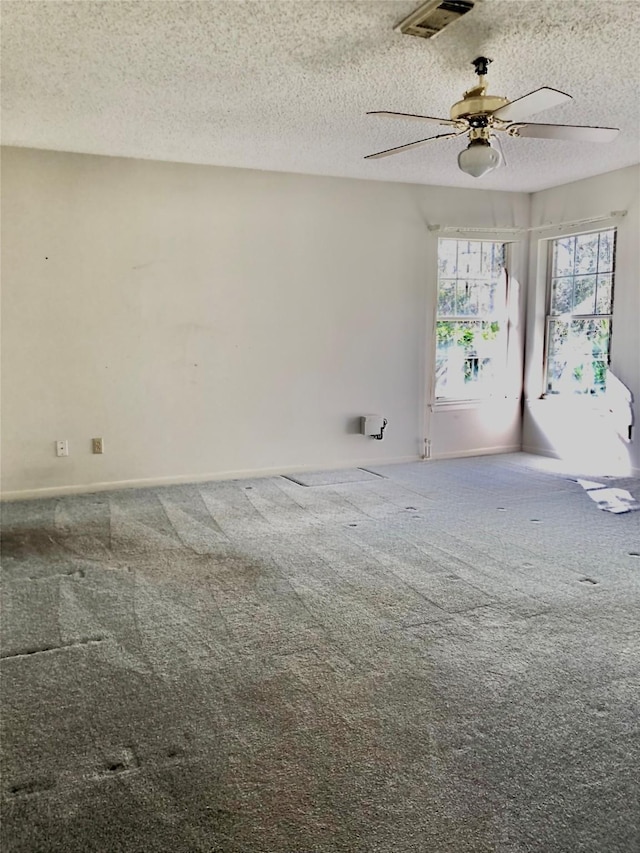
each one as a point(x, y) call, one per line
point(472, 400)
point(569, 317)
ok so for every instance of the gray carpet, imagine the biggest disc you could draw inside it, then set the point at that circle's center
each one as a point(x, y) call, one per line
point(445, 659)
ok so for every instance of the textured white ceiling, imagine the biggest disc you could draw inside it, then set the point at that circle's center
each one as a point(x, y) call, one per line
point(285, 84)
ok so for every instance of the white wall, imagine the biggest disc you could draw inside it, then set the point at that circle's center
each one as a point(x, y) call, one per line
point(214, 322)
point(580, 429)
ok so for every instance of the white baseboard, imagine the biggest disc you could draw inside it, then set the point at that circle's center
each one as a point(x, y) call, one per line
point(539, 451)
point(115, 485)
point(479, 451)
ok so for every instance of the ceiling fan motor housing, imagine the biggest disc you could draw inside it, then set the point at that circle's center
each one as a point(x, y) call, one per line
point(476, 102)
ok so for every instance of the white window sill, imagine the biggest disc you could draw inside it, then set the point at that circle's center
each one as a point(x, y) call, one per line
point(571, 401)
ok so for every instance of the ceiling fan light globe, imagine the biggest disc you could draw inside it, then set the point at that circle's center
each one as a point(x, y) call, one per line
point(478, 158)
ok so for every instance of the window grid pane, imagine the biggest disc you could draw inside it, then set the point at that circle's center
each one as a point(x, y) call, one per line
point(580, 263)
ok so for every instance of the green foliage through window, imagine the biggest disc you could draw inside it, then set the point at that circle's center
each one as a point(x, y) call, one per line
point(470, 325)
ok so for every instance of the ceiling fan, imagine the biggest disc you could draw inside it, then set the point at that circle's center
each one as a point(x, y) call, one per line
point(481, 115)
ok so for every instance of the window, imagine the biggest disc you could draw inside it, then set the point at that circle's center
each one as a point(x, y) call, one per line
point(578, 335)
point(471, 327)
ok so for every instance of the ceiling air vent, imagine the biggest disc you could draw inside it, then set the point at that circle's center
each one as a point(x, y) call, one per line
point(433, 16)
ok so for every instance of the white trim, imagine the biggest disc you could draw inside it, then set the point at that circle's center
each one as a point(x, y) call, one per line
point(505, 232)
point(546, 244)
point(444, 404)
point(614, 216)
point(452, 405)
point(434, 403)
point(572, 402)
point(478, 451)
point(429, 341)
point(539, 451)
point(151, 482)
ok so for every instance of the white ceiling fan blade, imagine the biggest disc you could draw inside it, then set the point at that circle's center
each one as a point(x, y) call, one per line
point(390, 151)
point(431, 119)
point(529, 105)
point(573, 133)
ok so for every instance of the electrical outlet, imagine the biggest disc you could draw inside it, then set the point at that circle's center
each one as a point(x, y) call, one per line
point(97, 445)
point(62, 447)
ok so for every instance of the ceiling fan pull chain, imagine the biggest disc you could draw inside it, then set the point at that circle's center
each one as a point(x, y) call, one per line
point(504, 159)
